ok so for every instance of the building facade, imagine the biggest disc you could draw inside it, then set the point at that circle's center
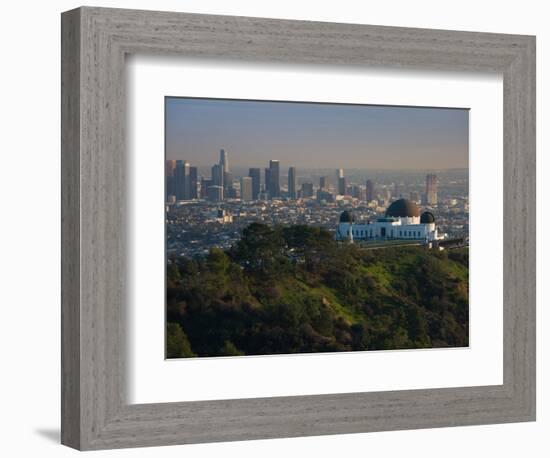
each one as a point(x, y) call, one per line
point(274, 187)
point(292, 183)
point(246, 189)
point(205, 184)
point(224, 160)
point(215, 193)
point(431, 189)
point(181, 180)
point(217, 175)
point(324, 183)
point(370, 191)
point(307, 190)
point(169, 172)
point(401, 221)
point(254, 173)
point(193, 182)
point(342, 186)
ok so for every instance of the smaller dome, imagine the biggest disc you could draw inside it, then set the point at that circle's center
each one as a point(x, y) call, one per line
point(347, 217)
point(427, 218)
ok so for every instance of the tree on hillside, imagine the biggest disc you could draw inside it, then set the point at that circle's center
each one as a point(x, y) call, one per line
point(177, 344)
point(262, 250)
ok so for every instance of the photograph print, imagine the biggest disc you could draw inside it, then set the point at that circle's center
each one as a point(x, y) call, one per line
point(302, 227)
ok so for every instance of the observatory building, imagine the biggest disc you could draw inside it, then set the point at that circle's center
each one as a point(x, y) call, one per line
point(402, 221)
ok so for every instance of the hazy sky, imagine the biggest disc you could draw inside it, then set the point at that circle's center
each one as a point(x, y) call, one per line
point(316, 135)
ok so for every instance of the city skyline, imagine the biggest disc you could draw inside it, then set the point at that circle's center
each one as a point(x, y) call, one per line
point(182, 183)
point(313, 135)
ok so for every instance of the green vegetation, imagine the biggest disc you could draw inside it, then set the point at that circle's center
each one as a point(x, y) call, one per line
point(296, 290)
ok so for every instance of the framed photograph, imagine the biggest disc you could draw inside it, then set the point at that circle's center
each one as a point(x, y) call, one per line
point(279, 228)
point(304, 256)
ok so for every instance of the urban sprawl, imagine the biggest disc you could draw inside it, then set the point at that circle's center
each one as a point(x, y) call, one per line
point(209, 207)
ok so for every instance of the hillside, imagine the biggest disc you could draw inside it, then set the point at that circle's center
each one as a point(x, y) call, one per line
point(295, 290)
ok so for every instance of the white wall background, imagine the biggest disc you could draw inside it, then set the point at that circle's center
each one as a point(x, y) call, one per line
point(30, 240)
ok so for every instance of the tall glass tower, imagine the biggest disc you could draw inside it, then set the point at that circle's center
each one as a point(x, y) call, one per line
point(292, 183)
point(431, 189)
point(274, 183)
point(254, 173)
point(224, 160)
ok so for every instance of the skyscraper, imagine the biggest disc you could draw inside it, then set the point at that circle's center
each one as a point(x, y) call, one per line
point(224, 160)
point(215, 193)
point(307, 190)
point(193, 182)
point(355, 191)
point(292, 183)
point(178, 180)
point(431, 189)
point(246, 188)
point(186, 181)
point(339, 174)
point(170, 167)
point(181, 180)
point(267, 182)
point(255, 175)
point(342, 186)
point(217, 175)
point(205, 184)
point(228, 184)
point(370, 191)
point(324, 183)
point(274, 182)
point(169, 171)
point(226, 180)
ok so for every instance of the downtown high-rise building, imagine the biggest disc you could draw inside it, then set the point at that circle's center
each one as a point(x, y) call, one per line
point(217, 175)
point(267, 183)
point(431, 189)
point(292, 183)
point(255, 174)
point(342, 186)
point(169, 172)
point(193, 182)
point(355, 191)
point(324, 197)
point(186, 180)
point(246, 189)
point(181, 180)
point(307, 190)
point(339, 174)
point(178, 180)
point(370, 191)
point(170, 167)
point(229, 190)
point(324, 183)
point(215, 193)
point(273, 185)
point(205, 184)
point(224, 172)
point(224, 160)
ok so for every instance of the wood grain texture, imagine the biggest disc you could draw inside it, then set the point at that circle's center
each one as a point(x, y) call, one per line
point(95, 413)
point(70, 229)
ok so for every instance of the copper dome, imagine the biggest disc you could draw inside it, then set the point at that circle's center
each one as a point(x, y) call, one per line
point(403, 208)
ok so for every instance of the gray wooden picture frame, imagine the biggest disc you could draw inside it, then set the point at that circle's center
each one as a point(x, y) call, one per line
point(95, 41)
